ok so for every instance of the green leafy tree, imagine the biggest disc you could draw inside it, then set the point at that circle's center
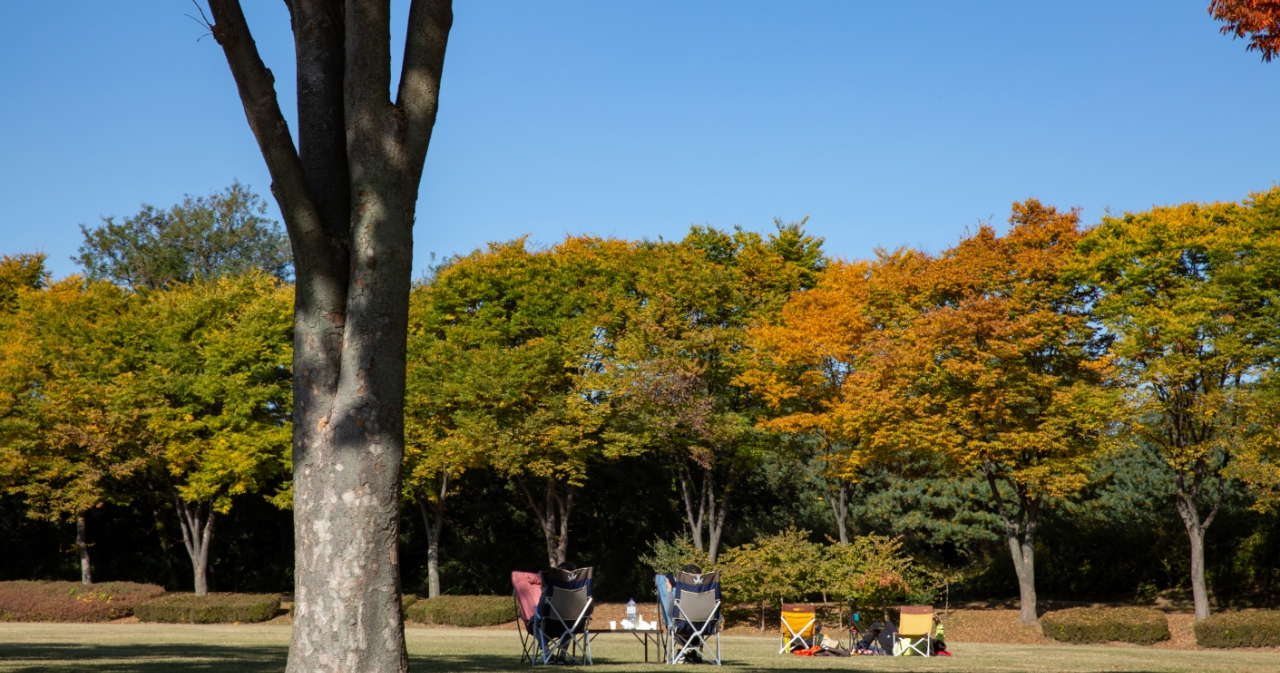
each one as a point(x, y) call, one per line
point(71, 433)
point(507, 345)
point(202, 238)
point(17, 272)
point(1190, 294)
point(217, 398)
point(675, 377)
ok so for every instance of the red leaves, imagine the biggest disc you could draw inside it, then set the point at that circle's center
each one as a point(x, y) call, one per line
point(1256, 20)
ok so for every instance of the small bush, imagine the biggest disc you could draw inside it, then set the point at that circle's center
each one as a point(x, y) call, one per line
point(1143, 626)
point(463, 610)
point(211, 609)
point(25, 601)
point(1247, 628)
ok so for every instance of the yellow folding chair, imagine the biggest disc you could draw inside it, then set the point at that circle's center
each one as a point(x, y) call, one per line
point(799, 623)
point(915, 630)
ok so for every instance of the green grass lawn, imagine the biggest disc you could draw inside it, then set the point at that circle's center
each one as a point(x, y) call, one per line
point(148, 648)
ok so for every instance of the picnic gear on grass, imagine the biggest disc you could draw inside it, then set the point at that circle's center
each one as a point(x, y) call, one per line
point(562, 626)
point(527, 589)
point(915, 631)
point(695, 617)
point(799, 624)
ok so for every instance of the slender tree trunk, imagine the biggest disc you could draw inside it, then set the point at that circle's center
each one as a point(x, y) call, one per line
point(196, 521)
point(703, 510)
point(840, 510)
point(719, 513)
point(1195, 532)
point(434, 523)
point(1020, 534)
point(695, 505)
point(347, 194)
point(553, 515)
point(82, 546)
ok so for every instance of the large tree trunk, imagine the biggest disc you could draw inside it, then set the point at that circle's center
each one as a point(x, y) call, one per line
point(82, 546)
point(840, 510)
point(1020, 534)
point(553, 514)
point(434, 522)
point(196, 521)
point(347, 194)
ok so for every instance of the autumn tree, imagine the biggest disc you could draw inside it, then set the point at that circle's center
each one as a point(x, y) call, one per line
point(347, 192)
point(675, 375)
point(1255, 20)
point(71, 432)
point(1189, 292)
point(216, 397)
point(998, 370)
point(800, 364)
point(508, 345)
point(18, 272)
point(203, 238)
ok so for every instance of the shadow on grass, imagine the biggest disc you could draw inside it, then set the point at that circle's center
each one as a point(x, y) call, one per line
point(177, 658)
point(140, 658)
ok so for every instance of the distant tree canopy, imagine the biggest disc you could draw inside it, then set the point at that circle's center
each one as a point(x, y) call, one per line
point(202, 238)
point(1006, 408)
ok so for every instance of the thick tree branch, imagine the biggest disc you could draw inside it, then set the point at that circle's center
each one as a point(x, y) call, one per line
point(418, 96)
point(256, 85)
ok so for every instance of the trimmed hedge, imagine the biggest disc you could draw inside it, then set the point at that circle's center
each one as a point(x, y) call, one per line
point(211, 609)
point(463, 610)
point(26, 601)
point(1143, 626)
point(1246, 628)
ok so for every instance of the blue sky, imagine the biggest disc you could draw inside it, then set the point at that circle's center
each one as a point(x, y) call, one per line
point(886, 123)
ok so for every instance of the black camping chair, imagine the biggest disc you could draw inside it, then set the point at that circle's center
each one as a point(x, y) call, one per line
point(562, 625)
point(696, 616)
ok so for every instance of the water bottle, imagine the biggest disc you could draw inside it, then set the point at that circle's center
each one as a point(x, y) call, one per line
point(631, 613)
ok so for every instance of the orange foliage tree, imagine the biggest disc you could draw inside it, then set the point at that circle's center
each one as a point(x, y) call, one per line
point(983, 357)
point(1255, 20)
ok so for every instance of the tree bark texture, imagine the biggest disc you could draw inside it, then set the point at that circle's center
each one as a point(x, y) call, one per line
point(196, 521)
point(553, 514)
point(434, 522)
point(1020, 533)
point(347, 193)
point(82, 546)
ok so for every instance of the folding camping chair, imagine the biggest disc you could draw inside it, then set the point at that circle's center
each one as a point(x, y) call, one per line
point(562, 624)
point(799, 624)
point(915, 629)
point(527, 589)
point(695, 616)
point(665, 610)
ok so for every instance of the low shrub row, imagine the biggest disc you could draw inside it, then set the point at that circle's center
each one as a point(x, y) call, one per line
point(27, 601)
point(1143, 626)
point(1246, 628)
point(463, 610)
point(210, 609)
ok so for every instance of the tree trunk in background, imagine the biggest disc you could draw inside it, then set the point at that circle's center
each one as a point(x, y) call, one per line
point(702, 510)
point(434, 522)
point(1186, 504)
point(1020, 533)
point(347, 194)
point(196, 521)
point(82, 546)
point(840, 510)
point(553, 514)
